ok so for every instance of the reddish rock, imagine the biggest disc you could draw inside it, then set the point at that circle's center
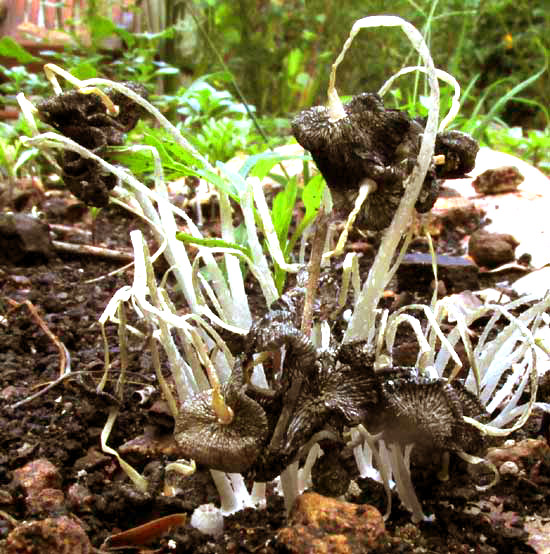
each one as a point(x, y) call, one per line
point(36, 476)
point(47, 501)
point(320, 525)
point(492, 249)
point(498, 181)
point(61, 535)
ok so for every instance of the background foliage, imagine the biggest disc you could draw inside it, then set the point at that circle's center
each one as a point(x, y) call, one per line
point(233, 72)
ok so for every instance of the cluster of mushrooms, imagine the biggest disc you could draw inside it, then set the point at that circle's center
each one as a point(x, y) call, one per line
point(317, 395)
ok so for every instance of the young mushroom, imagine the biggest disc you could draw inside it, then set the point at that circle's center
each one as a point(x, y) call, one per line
point(86, 116)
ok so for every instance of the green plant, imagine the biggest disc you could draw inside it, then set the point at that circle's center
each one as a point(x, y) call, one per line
point(532, 145)
point(14, 154)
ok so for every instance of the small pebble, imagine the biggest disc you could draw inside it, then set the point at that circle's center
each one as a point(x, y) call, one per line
point(491, 249)
point(508, 468)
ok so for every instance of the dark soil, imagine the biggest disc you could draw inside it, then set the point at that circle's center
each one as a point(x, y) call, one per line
point(64, 426)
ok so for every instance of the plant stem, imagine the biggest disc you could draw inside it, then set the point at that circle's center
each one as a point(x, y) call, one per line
point(314, 269)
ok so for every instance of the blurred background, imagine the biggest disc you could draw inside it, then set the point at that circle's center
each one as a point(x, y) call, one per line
point(236, 71)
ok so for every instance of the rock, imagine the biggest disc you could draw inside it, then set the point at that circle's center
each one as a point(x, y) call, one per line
point(522, 212)
point(151, 447)
point(320, 525)
point(24, 239)
point(529, 457)
point(36, 476)
point(47, 501)
point(415, 273)
point(491, 249)
point(79, 498)
point(499, 180)
point(62, 535)
point(41, 482)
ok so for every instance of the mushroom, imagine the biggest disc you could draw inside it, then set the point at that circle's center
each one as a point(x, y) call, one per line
point(429, 413)
point(369, 142)
point(460, 151)
point(82, 116)
point(232, 447)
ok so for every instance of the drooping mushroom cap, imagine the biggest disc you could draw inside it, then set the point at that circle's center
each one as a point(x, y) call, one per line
point(460, 151)
point(369, 143)
point(231, 447)
point(355, 147)
point(429, 413)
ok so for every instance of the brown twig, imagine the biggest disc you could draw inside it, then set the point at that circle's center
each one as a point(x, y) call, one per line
point(64, 356)
point(89, 250)
point(314, 269)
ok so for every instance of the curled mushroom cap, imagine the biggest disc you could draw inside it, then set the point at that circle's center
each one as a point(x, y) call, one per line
point(369, 143)
point(460, 151)
point(354, 147)
point(232, 447)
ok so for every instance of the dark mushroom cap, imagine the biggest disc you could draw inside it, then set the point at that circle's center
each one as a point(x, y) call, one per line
point(84, 119)
point(460, 151)
point(370, 142)
point(229, 447)
point(355, 147)
point(422, 411)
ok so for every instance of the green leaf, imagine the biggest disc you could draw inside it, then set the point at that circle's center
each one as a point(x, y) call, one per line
point(236, 179)
point(10, 49)
point(101, 28)
point(166, 71)
point(220, 183)
point(282, 211)
point(499, 104)
point(84, 70)
point(24, 157)
point(260, 165)
point(213, 243)
point(293, 62)
point(312, 195)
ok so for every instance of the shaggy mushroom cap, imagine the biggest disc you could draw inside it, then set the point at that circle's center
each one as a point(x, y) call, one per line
point(370, 142)
point(429, 413)
point(460, 151)
point(231, 447)
point(354, 147)
point(84, 119)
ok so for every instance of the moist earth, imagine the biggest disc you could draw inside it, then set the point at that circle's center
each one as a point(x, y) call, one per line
point(63, 426)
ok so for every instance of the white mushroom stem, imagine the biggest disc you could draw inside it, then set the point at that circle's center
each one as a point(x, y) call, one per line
point(405, 488)
point(367, 186)
point(362, 321)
